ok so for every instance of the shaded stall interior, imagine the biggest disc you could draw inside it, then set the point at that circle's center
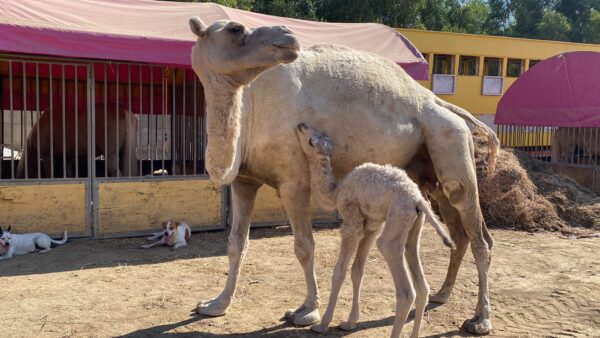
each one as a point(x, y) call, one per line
point(166, 105)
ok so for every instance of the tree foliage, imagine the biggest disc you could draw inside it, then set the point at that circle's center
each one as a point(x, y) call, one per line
point(568, 20)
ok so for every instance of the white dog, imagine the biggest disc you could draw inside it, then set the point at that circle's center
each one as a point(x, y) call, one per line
point(175, 234)
point(13, 244)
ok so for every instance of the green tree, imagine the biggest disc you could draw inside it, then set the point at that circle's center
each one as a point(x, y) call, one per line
point(553, 26)
point(578, 14)
point(469, 17)
point(499, 17)
point(299, 9)
point(592, 30)
point(527, 14)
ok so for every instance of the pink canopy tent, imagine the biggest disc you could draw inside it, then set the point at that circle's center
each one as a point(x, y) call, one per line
point(562, 91)
point(157, 32)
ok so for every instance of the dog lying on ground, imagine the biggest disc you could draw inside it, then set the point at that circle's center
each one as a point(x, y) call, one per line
point(175, 235)
point(13, 244)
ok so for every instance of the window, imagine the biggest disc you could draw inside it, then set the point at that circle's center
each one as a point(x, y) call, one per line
point(443, 64)
point(533, 63)
point(514, 67)
point(492, 66)
point(468, 65)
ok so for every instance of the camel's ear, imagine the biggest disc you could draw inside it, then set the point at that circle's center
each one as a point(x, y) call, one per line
point(197, 26)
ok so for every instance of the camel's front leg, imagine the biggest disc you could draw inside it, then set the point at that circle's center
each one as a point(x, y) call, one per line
point(350, 240)
point(243, 197)
point(296, 201)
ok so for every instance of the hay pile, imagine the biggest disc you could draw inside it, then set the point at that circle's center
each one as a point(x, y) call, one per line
point(524, 194)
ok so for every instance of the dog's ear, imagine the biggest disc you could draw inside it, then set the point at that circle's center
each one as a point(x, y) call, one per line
point(8, 230)
point(1, 231)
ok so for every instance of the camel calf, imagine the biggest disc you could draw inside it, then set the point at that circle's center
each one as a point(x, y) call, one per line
point(367, 197)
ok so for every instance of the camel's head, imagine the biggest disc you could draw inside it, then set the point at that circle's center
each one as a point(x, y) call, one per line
point(239, 54)
point(314, 143)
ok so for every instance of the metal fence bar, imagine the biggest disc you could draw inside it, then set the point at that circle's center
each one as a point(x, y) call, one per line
point(139, 124)
point(37, 106)
point(184, 123)
point(51, 111)
point(76, 69)
point(64, 130)
point(150, 153)
point(128, 119)
point(164, 112)
point(105, 121)
point(24, 153)
point(12, 124)
point(195, 143)
point(173, 125)
point(117, 94)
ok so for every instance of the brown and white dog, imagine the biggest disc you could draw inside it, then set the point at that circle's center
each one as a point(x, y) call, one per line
point(175, 235)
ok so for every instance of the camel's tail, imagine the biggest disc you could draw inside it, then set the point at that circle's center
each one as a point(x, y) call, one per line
point(425, 207)
point(493, 142)
point(62, 241)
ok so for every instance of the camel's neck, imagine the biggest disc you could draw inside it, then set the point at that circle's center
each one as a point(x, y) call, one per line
point(223, 126)
point(323, 183)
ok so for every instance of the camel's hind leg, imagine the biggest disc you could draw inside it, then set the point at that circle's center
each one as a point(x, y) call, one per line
point(450, 146)
point(392, 244)
point(243, 197)
point(295, 197)
point(416, 270)
point(358, 271)
point(459, 236)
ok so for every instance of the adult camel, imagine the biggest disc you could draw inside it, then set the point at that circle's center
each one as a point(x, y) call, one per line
point(118, 149)
point(370, 107)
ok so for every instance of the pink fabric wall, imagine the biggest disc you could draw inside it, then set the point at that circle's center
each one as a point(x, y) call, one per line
point(562, 91)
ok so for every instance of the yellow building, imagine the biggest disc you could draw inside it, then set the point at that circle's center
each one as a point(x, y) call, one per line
point(473, 71)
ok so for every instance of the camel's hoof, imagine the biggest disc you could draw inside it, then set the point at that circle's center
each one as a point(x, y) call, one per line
point(347, 326)
point(477, 326)
point(291, 312)
point(303, 316)
point(213, 308)
point(439, 298)
point(319, 328)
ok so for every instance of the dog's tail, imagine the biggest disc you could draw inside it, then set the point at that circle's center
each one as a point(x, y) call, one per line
point(62, 241)
point(425, 207)
point(188, 232)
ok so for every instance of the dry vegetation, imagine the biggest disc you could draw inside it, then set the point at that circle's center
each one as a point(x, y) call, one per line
point(525, 194)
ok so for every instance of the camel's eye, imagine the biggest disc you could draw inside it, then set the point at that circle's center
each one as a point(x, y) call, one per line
point(235, 29)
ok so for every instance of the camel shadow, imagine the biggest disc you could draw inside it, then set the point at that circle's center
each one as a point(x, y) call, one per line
point(284, 329)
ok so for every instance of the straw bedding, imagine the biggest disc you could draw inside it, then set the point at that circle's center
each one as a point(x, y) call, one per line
point(523, 193)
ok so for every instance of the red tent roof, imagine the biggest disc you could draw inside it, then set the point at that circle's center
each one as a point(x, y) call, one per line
point(157, 31)
point(562, 91)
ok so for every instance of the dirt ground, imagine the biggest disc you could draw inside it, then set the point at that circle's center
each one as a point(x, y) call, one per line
point(541, 286)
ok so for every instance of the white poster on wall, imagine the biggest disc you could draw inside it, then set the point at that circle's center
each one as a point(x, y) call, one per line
point(443, 84)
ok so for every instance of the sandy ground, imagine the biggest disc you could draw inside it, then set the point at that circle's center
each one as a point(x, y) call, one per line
point(541, 286)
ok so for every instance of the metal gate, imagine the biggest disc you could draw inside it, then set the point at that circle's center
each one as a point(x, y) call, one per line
point(101, 148)
point(41, 102)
